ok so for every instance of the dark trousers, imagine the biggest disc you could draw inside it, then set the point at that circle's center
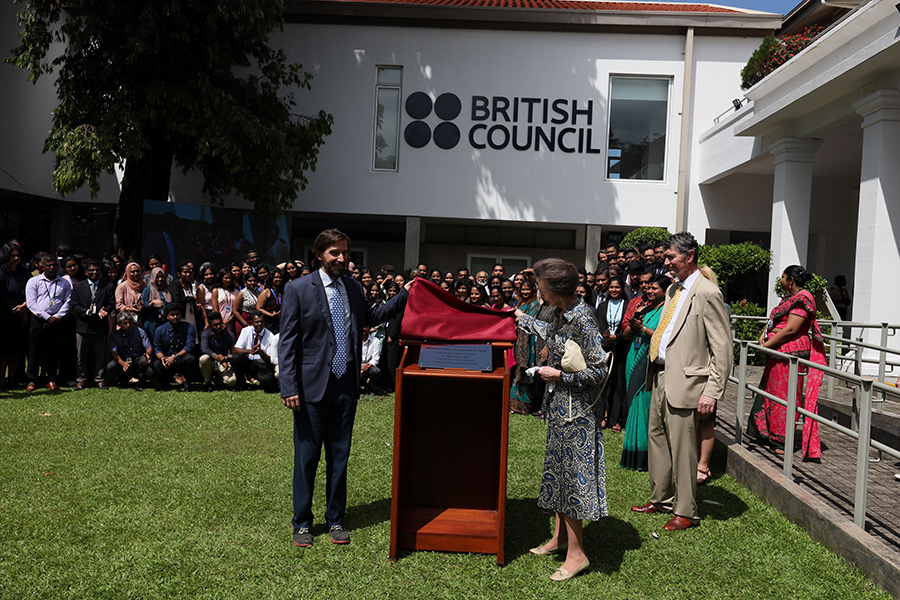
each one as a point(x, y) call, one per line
point(68, 350)
point(369, 378)
point(93, 351)
point(259, 369)
point(329, 423)
point(137, 369)
point(615, 397)
point(44, 345)
point(186, 364)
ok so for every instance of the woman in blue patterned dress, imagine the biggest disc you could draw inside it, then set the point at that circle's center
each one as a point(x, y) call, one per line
point(574, 481)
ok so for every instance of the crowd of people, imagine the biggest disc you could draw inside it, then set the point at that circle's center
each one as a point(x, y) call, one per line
point(593, 351)
point(85, 322)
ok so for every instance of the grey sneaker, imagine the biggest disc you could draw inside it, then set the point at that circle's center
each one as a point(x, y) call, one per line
point(302, 537)
point(339, 535)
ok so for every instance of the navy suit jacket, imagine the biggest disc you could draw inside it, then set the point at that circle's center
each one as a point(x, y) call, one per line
point(306, 342)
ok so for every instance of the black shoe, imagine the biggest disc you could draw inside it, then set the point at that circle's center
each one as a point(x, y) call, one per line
point(186, 386)
point(339, 535)
point(302, 537)
point(209, 387)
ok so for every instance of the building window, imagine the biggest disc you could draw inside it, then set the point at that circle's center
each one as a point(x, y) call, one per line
point(638, 114)
point(387, 118)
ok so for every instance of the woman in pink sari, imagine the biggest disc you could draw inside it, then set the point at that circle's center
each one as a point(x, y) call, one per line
point(792, 329)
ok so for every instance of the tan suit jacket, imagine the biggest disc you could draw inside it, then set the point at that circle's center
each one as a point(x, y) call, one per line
point(699, 355)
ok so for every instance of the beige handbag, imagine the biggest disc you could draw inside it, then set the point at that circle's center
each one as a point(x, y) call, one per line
point(572, 362)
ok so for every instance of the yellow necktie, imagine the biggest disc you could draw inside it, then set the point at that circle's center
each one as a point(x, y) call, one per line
point(664, 322)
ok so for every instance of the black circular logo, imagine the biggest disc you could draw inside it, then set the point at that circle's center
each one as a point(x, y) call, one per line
point(447, 106)
point(446, 135)
point(418, 105)
point(418, 133)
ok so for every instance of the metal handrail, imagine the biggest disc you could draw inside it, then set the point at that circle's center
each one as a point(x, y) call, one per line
point(829, 322)
point(855, 346)
point(860, 430)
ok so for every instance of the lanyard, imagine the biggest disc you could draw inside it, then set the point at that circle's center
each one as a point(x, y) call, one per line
point(55, 284)
point(613, 318)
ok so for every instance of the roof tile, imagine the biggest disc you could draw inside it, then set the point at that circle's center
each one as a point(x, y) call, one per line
point(586, 5)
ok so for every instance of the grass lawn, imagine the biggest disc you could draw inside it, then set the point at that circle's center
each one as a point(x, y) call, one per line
point(134, 494)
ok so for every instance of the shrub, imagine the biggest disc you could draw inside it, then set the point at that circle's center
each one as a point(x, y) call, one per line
point(644, 235)
point(774, 52)
point(754, 70)
point(736, 265)
point(816, 286)
point(745, 329)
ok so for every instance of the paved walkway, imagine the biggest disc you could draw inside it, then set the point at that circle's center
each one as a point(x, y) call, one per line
point(834, 479)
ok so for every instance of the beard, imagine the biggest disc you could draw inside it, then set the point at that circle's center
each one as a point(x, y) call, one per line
point(333, 270)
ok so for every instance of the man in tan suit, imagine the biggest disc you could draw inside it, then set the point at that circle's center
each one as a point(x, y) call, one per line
point(690, 359)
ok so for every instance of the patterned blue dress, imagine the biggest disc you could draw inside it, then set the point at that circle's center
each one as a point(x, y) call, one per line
point(574, 480)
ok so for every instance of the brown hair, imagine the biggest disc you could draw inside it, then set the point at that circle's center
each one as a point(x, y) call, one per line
point(560, 275)
point(326, 240)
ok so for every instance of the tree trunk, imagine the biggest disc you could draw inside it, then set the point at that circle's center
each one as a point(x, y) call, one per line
point(146, 178)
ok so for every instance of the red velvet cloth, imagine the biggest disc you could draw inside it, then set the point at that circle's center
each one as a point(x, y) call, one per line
point(435, 315)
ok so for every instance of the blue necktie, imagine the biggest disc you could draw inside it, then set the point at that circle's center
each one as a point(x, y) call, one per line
point(339, 363)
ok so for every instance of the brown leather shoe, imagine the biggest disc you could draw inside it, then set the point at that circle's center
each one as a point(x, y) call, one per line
point(30, 387)
point(51, 385)
point(647, 509)
point(101, 386)
point(79, 386)
point(679, 524)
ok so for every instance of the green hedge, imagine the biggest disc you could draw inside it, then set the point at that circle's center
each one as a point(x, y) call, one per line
point(745, 329)
point(644, 235)
point(736, 265)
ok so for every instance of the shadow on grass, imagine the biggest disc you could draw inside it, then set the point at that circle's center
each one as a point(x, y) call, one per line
point(41, 392)
point(528, 526)
point(719, 504)
point(365, 515)
point(606, 542)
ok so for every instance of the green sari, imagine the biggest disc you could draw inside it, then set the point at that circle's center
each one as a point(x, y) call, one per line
point(523, 389)
point(634, 444)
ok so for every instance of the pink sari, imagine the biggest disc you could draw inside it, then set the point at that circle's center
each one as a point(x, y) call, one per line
point(768, 418)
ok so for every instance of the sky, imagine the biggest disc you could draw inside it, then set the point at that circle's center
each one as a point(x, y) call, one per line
point(776, 6)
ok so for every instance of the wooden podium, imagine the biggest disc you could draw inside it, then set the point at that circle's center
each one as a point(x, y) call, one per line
point(451, 428)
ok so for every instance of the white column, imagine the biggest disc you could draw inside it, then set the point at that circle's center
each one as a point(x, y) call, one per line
point(790, 205)
point(875, 288)
point(592, 245)
point(413, 239)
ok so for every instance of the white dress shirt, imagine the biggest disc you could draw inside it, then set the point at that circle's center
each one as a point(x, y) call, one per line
point(371, 351)
point(667, 334)
point(249, 335)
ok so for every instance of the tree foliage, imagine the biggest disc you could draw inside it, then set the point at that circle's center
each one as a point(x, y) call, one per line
point(644, 235)
point(155, 82)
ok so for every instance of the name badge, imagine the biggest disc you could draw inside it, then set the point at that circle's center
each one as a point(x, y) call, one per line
point(52, 303)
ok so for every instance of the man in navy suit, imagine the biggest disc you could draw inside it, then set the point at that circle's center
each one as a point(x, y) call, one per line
point(319, 353)
point(93, 299)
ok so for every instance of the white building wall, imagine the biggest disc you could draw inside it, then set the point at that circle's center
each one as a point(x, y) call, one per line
point(494, 184)
point(718, 64)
